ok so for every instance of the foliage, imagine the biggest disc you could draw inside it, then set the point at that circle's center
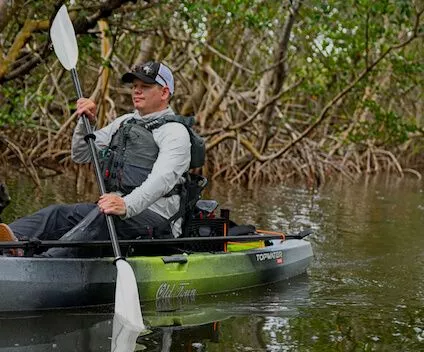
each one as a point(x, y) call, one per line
point(385, 129)
point(15, 110)
point(330, 44)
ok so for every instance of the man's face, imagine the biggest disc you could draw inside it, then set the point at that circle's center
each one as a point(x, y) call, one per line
point(148, 98)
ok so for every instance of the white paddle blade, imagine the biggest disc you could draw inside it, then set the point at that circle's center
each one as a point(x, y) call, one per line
point(127, 300)
point(124, 338)
point(63, 38)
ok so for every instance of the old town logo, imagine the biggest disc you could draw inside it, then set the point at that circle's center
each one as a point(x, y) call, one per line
point(180, 290)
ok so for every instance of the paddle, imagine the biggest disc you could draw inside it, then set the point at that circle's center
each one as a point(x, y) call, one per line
point(127, 302)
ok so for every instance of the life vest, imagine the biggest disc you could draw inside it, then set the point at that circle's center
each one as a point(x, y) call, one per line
point(132, 152)
point(129, 158)
point(198, 150)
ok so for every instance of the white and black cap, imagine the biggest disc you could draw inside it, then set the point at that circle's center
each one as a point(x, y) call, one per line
point(151, 72)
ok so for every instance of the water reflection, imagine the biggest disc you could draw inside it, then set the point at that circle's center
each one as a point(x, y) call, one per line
point(57, 331)
point(363, 292)
point(211, 320)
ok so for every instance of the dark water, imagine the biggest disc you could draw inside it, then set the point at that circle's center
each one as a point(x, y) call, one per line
point(363, 292)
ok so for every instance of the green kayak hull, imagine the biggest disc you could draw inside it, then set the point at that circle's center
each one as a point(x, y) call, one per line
point(29, 284)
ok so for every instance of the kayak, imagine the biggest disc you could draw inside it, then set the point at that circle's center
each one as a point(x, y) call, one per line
point(39, 283)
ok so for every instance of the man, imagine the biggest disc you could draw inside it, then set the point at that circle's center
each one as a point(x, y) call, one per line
point(142, 170)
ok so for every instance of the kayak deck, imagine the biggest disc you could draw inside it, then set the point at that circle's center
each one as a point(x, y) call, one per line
point(46, 283)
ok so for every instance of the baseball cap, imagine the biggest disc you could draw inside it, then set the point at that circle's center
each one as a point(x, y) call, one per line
point(151, 72)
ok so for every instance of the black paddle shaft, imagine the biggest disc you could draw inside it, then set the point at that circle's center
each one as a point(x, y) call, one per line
point(90, 141)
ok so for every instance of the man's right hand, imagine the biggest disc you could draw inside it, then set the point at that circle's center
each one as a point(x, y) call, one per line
point(87, 107)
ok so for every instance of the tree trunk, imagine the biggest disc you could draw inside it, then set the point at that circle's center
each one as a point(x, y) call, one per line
point(278, 76)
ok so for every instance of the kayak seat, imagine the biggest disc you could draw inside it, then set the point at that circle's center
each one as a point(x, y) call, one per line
point(205, 227)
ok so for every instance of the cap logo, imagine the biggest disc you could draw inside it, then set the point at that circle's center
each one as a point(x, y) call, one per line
point(152, 71)
point(147, 70)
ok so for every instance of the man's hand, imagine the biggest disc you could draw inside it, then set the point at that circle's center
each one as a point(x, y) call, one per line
point(112, 204)
point(88, 108)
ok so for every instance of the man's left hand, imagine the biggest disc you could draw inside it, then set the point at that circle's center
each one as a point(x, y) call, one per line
point(112, 204)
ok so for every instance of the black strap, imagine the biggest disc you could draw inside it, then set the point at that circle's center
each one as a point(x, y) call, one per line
point(181, 211)
point(177, 189)
point(151, 125)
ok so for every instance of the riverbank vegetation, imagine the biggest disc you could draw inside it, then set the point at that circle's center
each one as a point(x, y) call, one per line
point(282, 90)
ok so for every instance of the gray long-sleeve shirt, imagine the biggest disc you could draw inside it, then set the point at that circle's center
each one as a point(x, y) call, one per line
point(173, 160)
